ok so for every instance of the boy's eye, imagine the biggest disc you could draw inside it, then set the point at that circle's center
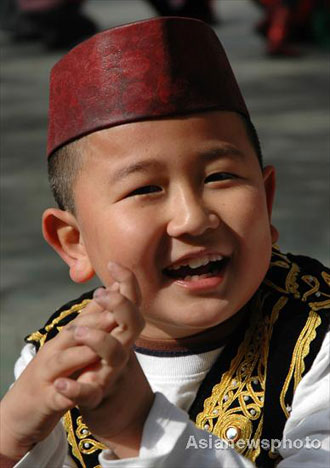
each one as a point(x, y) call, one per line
point(145, 190)
point(219, 176)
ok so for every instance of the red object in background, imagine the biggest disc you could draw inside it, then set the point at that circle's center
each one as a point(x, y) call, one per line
point(284, 22)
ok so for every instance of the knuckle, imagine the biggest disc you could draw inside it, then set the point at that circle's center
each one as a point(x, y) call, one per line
point(105, 319)
point(116, 300)
point(92, 306)
point(69, 328)
point(60, 359)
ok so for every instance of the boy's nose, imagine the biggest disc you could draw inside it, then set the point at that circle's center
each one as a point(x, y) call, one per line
point(190, 216)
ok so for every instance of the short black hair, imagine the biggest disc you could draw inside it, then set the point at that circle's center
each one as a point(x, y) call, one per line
point(254, 138)
point(65, 164)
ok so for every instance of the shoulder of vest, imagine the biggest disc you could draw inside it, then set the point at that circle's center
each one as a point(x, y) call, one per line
point(59, 319)
point(300, 278)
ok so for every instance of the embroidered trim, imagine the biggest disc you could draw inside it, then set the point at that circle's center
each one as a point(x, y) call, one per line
point(234, 409)
point(86, 444)
point(40, 338)
point(301, 350)
point(68, 426)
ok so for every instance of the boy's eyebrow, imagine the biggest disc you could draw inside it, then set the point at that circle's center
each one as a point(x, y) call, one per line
point(219, 152)
point(143, 166)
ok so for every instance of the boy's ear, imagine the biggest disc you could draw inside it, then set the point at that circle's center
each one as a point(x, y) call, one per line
point(60, 229)
point(269, 176)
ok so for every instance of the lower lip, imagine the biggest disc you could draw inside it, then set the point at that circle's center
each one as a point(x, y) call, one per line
point(203, 284)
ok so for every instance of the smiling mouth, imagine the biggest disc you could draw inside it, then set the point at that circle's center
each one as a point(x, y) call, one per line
point(194, 273)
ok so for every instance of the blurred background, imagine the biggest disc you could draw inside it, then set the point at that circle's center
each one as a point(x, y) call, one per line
point(283, 69)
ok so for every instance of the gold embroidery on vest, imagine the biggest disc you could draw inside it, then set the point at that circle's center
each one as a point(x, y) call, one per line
point(86, 444)
point(291, 284)
point(38, 337)
point(314, 285)
point(68, 426)
point(326, 277)
point(320, 305)
point(41, 338)
point(239, 397)
point(300, 351)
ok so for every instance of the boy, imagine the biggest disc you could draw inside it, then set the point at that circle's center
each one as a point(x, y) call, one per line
point(157, 172)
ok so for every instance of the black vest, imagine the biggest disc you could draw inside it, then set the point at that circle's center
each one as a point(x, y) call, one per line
point(246, 397)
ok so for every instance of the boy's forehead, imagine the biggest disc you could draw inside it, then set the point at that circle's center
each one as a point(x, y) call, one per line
point(156, 68)
point(212, 121)
point(164, 139)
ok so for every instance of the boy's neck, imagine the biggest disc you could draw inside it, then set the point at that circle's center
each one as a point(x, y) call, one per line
point(204, 341)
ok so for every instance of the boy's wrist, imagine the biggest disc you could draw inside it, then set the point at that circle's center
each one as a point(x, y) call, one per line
point(10, 445)
point(127, 443)
point(10, 448)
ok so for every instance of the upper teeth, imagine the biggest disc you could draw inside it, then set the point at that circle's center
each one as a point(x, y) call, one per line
point(198, 262)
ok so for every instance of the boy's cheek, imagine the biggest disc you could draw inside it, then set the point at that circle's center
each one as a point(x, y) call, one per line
point(246, 213)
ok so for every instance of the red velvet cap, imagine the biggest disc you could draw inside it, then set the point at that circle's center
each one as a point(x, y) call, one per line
point(140, 71)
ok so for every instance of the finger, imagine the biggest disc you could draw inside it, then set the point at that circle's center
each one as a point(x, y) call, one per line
point(103, 320)
point(63, 340)
point(128, 284)
point(104, 344)
point(84, 394)
point(130, 321)
point(58, 402)
point(92, 306)
point(68, 361)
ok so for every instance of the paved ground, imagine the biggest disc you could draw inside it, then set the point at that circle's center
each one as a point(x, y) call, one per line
point(288, 99)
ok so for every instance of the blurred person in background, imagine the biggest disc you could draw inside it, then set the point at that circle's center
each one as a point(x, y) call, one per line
point(200, 9)
point(287, 22)
point(57, 23)
point(61, 23)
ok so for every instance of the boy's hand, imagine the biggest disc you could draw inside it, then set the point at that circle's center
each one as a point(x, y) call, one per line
point(33, 406)
point(113, 395)
point(83, 364)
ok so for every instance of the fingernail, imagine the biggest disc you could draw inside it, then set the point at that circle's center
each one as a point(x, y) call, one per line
point(61, 385)
point(99, 292)
point(114, 287)
point(80, 332)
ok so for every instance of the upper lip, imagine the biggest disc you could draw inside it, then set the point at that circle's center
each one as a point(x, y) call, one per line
point(184, 259)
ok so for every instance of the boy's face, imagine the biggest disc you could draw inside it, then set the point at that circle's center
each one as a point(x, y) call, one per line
point(187, 191)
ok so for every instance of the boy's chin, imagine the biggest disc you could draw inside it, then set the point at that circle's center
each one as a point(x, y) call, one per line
point(202, 315)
